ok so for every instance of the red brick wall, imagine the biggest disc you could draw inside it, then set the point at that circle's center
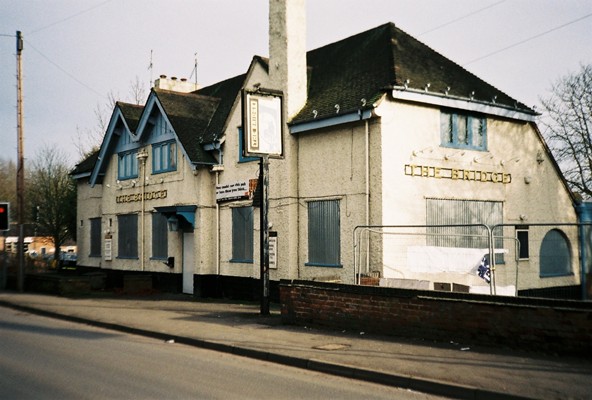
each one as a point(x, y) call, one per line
point(525, 323)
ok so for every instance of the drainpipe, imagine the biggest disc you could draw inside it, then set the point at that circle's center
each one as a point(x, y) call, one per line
point(367, 145)
point(584, 212)
point(142, 156)
point(217, 229)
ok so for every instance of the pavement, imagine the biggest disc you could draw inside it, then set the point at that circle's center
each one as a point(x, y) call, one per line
point(449, 369)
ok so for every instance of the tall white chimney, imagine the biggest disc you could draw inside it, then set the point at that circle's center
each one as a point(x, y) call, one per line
point(287, 52)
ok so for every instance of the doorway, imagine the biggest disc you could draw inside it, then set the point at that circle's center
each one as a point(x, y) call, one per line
point(188, 262)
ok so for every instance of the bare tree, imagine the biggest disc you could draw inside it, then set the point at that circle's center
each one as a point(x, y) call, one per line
point(8, 183)
point(137, 91)
point(568, 128)
point(52, 192)
point(88, 140)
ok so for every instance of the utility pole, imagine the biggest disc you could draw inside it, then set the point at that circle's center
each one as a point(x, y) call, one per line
point(264, 235)
point(20, 172)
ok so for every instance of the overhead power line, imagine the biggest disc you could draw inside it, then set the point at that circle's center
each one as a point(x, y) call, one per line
point(462, 17)
point(527, 39)
point(69, 17)
point(64, 71)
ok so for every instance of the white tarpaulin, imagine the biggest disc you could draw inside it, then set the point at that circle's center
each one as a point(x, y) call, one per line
point(433, 259)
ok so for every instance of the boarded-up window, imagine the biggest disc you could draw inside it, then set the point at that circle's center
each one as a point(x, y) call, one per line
point(324, 233)
point(159, 236)
point(462, 212)
point(95, 237)
point(242, 234)
point(555, 254)
point(127, 242)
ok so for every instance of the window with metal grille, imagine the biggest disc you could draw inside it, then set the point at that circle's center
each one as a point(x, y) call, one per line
point(127, 238)
point(555, 255)
point(242, 234)
point(95, 237)
point(159, 236)
point(463, 212)
point(324, 246)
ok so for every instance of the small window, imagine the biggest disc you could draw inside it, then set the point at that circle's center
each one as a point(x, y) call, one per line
point(127, 239)
point(463, 131)
point(555, 255)
point(242, 234)
point(127, 166)
point(522, 243)
point(95, 237)
point(159, 236)
point(324, 233)
point(164, 157)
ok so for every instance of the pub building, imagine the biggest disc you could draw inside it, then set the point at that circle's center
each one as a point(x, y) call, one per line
point(376, 129)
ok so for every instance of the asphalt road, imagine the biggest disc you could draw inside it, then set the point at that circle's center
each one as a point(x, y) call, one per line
point(43, 358)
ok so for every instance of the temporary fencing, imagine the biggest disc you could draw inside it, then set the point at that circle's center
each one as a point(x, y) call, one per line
point(536, 259)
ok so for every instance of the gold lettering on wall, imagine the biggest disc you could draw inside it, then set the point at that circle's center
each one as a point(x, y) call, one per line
point(426, 171)
point(130, 198)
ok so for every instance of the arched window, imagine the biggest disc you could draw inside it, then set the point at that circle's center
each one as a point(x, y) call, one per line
point(555, 255)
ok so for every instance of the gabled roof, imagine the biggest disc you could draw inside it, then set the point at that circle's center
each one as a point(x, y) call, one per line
point(344, 77)
point(355, 72)
point(189, 115)
point(131, 113)
point(226, 91)
point(127, 113)
point(85, 167)
point(124, 114)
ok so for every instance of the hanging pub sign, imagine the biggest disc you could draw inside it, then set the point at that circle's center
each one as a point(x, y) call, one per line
point(262, 120)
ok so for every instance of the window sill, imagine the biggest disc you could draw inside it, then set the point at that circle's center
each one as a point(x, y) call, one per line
point(127, 257)
point(163, 171)
point(559, 275)
point(458, 146)
point(316, 264)
point(238, 261)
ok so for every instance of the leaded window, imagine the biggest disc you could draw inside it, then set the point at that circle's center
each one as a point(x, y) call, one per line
point(463, 131)
point(127, 165)
point(164, 157)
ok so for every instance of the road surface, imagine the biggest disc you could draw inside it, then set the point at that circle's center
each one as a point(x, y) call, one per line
point(44, 358)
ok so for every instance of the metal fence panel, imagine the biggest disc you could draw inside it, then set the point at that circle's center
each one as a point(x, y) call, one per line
point(542, 259)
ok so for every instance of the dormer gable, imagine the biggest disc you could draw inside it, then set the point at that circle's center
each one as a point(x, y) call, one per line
point(119, 133)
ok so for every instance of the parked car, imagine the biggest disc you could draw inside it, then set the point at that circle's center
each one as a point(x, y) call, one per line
point(68, 260)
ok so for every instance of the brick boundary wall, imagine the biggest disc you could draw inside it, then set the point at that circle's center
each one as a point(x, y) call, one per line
point(560, 326)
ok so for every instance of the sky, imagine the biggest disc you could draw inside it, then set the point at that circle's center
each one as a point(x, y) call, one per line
point(79, 53)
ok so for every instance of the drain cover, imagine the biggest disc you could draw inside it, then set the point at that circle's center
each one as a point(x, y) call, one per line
point(332, 346)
